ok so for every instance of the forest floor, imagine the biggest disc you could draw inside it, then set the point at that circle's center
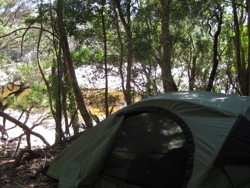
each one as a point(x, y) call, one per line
point(18, 171)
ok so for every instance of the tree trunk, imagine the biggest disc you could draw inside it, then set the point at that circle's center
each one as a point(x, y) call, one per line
point(64, 98)
point(105, 58)
point(121, 50)
point(74, 118)
point(58, 103)
point(55, 109)
point(72, 109)
point(248, 60)
point(191, 72)
point(76, 89)
point(215, 50)
point(70, 67)
point(165, 63)
point(55, 96)
point(237, 43)
point(127, 27)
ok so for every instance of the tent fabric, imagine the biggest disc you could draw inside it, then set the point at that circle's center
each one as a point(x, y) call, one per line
point(208, 120)
point(236, 150)
point(239, 175)
point(162, 173)
point(86, 156)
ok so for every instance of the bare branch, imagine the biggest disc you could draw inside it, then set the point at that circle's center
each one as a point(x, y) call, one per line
point(25, 28)
point(24, 127)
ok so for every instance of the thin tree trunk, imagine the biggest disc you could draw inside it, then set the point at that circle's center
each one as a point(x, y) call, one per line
point(240, 68)
point(165, 63)
point(72, 109)
point(105, 59)
point(76, 89)
point(215, 50)
point(121, 51)
point(27, 133)
point(70, 67)
point(58, 102)
point(191, 72)
point(58, 129)
point(74, 118)
point(127, 27)
point(64, 98)
point(248, 60)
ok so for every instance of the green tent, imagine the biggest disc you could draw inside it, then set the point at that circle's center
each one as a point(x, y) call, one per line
point(178, 139)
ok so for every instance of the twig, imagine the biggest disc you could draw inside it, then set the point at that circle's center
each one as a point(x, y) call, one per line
point(18, 184)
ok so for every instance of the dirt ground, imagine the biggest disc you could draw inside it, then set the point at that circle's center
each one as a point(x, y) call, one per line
point(18, 171)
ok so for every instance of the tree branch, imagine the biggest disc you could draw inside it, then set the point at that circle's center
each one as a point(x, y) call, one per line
point(33, 27)
point(24, 127)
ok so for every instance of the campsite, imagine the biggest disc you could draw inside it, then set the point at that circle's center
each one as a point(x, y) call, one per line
point(125, 93)
point(208, 131)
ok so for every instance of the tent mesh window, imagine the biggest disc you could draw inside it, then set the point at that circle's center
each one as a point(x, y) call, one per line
point(151, 151)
